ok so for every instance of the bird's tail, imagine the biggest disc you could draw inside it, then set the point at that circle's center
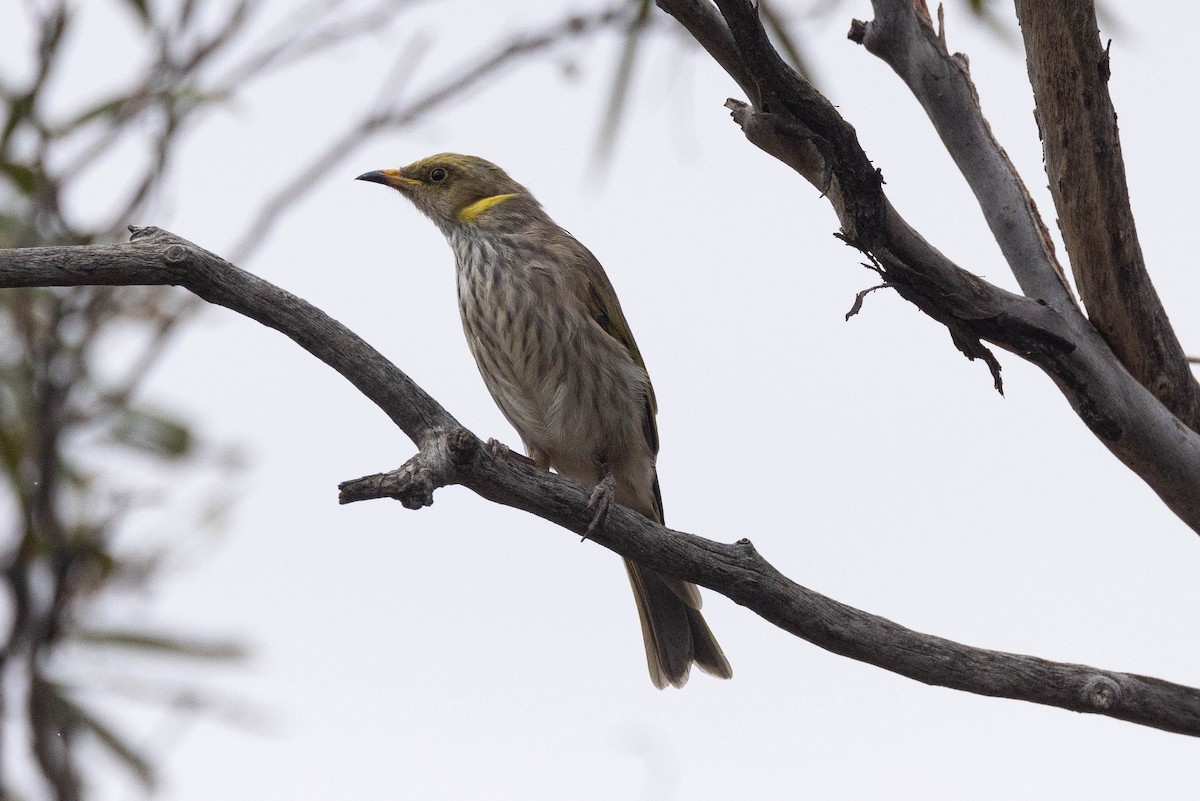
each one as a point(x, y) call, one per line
point(673, 629)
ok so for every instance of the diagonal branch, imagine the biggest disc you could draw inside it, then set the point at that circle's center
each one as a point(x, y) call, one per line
point(156, 258)
point(449, 454)
point(903, 36)
point(1069, 73)
point(706, 27)
point(792, 122)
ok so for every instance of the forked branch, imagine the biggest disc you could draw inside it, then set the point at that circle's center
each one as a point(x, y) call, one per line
point(449, 454)
point(790, 120)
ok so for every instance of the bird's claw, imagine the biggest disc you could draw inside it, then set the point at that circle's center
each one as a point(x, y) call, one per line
point(498, 450)
point(600, 502)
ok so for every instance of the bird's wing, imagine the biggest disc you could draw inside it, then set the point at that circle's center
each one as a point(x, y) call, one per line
point(601, 301)
point(605, 309)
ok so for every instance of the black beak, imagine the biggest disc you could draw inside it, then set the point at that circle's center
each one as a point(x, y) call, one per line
point(375, 177)
point(391, 178)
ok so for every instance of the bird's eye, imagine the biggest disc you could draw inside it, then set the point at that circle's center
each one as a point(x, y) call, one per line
point(437, 175)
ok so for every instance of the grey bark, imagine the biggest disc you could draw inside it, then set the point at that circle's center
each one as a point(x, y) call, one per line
point(449, 454)
point(1069, 73)
point(787, 118)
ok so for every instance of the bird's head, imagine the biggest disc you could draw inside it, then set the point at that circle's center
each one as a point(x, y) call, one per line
point(453, 190)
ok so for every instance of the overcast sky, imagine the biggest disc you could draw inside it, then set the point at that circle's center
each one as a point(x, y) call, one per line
point(472, 651)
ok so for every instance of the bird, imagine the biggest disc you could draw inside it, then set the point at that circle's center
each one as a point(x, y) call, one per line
point(556, 353)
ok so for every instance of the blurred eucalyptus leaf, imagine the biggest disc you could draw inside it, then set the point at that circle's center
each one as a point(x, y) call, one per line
point(152, 432)
point(163, 644)
point(73, 716)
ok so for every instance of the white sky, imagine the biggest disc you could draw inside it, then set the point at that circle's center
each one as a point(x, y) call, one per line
point(471, 651)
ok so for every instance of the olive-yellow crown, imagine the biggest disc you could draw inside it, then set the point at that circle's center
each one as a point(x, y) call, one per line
point(452, 189)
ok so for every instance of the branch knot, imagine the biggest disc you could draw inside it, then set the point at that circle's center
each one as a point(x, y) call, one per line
point(177, 254)
point(463, 447)
point(1100, 693)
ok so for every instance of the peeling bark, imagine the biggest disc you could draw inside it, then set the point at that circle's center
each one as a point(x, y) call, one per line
point(1069, 72)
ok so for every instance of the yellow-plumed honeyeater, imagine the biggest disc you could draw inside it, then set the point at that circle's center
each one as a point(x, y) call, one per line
point(555, 351)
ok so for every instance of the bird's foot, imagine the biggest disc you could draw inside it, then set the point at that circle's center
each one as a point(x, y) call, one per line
point(499, 450)
point(600, 502)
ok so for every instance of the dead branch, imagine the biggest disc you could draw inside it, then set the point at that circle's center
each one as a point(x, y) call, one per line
point(449, 454)
point(790, 120)
point(1069, 73)
point(904, 38)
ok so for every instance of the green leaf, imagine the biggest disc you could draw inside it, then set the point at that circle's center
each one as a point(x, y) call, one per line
point(10, 227)
point(18, 109)
point(54, 27)
point(141, 8)
point(70, 713)
point(23, 177)
point(152, 433)
point(618, 97)
point(106, 108)
point(166, 644)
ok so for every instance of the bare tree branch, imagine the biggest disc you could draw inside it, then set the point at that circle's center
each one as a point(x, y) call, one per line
point(902, 35)
point(705, 25)
point(187, 63)
point(449, 454)
point(794, 123)
point(156, 258)
point(1078, 125)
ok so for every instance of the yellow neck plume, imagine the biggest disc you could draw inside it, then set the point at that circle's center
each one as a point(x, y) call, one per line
point(471, 213)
